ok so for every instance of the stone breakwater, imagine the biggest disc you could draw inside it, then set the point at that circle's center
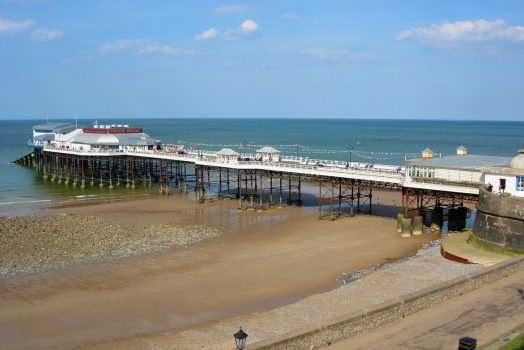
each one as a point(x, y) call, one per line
point(31, 244)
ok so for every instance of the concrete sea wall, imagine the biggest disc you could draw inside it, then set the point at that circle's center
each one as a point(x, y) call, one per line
point(352, 324)
point(499, 224)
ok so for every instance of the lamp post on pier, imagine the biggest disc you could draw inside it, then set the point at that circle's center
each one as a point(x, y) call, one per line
point(350, 150)
point(243, 146)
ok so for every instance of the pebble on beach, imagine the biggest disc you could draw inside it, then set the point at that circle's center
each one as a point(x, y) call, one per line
point(31, 244)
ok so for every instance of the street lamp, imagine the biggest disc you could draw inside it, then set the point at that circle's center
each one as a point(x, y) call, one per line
point(244, 146)
point(350, 150)
point(240, 339)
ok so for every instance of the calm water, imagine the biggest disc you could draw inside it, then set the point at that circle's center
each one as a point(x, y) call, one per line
point(373, 141)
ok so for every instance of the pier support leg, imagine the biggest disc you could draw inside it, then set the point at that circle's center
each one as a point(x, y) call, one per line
point(280, 192)
point(261, 190)
point(270, 190)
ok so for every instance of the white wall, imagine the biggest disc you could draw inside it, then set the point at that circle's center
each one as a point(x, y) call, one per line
point(454, 175)
point(227, 159)
point(511, 183)
point(68, 136)
point(458, 175)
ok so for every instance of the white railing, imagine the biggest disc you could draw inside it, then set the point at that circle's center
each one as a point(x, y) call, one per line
point(453, 179)
point(202, 152)
point(337, 170)
point(33, 142)
point(319, 170)
point(459, 177)
point(323, 168)
point(505, 171)
point(204, 156)
point(80, 151)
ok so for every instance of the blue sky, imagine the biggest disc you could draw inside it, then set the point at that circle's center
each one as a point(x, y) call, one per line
point(460, 59)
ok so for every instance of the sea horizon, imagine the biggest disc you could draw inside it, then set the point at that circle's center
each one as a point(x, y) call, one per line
point(445, 119)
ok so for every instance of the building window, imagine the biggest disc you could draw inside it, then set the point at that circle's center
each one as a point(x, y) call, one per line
point(520, 183)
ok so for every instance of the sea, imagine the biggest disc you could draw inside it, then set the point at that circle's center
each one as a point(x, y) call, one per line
point(373, 141)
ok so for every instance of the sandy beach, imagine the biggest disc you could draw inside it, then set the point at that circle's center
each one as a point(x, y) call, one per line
point(252, 261)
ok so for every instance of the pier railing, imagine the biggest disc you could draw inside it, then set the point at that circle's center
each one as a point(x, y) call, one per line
point(465, 178)
point(62, 149)
point(332, 168)
point(311, 166)
point(452, 181)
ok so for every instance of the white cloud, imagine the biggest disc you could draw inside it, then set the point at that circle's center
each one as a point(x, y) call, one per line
point(339, 55)
point(124, 44)
point(45, 34)
point(249, 26)
point(168, 50)
point(22, 2)
point(207, 35)
point(290, 17)
point(38, 34)
point(147, 46)
point(233, 8)
point(454, 34)
point(8, 27)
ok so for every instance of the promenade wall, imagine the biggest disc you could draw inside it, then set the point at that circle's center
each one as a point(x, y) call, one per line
point(355, 323)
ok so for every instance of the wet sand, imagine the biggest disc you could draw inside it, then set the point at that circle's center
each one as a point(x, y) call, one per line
point(260, 261)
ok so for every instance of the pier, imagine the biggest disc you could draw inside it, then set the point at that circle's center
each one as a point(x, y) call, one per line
point(256, 184)
point(112, 156)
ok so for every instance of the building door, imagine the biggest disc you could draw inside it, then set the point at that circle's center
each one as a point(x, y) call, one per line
point(502, 185)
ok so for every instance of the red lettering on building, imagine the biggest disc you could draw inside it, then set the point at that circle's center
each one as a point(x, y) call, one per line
point(112, 131)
